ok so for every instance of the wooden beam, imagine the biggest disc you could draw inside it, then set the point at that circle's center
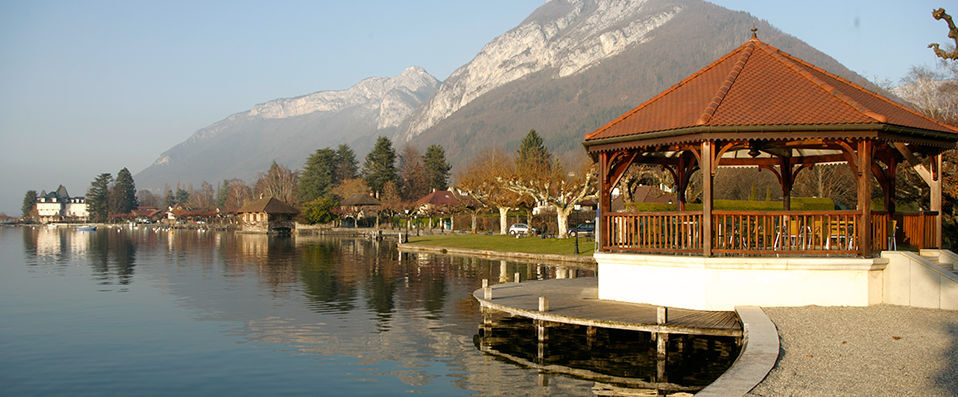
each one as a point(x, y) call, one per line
point(706, 158)
point(865, 197)
point(915, 163)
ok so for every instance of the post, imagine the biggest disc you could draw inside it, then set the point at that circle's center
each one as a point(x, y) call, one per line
point(605, 200)
point(517, 277)
point(661, 315)
point(485, 283)
point(543, 304)
point(865, 197)
point(487, 293)
point(542, 334)
point(936, 197)
point(707, 156)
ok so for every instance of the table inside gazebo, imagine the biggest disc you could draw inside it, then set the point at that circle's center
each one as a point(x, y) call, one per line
point(763, 232)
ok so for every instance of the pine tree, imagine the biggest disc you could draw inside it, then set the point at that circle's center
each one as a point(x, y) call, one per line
point(346, 164)
point(532, 153)
point(380, 165)
point(318, 175)
point(98, 196)
point(222, 194)
point(29, 202)
point(123, 193)
point(436, 167)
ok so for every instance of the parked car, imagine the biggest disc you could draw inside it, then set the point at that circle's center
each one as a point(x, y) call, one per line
point(584, 229)
point(518, 229)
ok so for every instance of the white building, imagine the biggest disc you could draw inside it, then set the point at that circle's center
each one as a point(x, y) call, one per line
point(58, 206)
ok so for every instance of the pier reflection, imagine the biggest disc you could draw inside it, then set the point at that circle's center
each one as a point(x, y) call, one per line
point(617, 361)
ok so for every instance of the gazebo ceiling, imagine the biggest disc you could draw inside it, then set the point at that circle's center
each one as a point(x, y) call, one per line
point(757, 92)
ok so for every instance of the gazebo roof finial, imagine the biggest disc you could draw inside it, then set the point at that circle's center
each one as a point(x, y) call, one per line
point(754, 34)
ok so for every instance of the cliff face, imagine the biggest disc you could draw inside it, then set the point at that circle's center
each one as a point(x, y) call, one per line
point(563, 36)
point(289, 129)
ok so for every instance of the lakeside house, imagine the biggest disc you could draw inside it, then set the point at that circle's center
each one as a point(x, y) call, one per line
point(58, 206)
point(360, 206)
point(760, 107)
point(267, 215)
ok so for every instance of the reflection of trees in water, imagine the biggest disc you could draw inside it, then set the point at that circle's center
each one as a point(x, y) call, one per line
point(112, 255)
point(323, 283)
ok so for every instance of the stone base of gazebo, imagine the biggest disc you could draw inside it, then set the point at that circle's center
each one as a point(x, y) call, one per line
point(721, 283)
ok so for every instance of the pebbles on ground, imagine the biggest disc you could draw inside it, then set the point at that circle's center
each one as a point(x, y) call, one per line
point(868, 351)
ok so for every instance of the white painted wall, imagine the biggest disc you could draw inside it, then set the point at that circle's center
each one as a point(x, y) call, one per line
point(911, 280)
point(723, 283)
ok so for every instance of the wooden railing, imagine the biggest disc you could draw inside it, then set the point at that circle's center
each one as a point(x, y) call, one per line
point(652, 231)
point(912, 230)
point(762, 232)
point(784, 232)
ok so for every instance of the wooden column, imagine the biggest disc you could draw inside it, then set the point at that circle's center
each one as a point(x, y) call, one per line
point(605, 200)
point(707, 157)
point(936, 187)
point(785, 171)
point(865, 197)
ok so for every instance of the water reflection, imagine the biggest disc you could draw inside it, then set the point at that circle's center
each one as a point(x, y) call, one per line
point(400, 316)
point(612, 358)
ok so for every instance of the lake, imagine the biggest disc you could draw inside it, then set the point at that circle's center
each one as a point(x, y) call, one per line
point(146, 311)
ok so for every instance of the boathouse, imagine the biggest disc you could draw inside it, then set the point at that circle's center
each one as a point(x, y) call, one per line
point(267, 215)
point(760, 107)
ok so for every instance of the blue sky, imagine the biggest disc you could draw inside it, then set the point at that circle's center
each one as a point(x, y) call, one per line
point(94, 86)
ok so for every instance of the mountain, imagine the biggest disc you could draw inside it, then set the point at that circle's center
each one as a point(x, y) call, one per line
point(574, 65)
point(570, 67)
point(288, 130)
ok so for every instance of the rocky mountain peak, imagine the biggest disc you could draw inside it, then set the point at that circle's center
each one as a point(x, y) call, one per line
point(563, 37)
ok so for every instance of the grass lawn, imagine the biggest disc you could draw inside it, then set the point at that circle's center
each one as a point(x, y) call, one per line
point(532, 245)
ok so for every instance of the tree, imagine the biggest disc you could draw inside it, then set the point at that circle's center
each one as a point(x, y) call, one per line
point(204, 198)
point(278, 182)
point(123, 193)
point(237, 194)
point(29, 203)
point(181, 196)
point(437, 169)
point(146, 198)
point(940, 14)
point(346, 164)
point(532, 153)
point(320, 209)
point(413, 174)
point(351, 187)
point(221, 195)
point(318, 175)
point(482, 180)
point(380, 167)
point(98, 196)
point(556, 187)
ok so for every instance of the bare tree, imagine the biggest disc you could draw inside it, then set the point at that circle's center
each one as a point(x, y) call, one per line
point(556, 186)
point(640, 174)
point(482, 180)
point(413, 173)
point(237, 194)
point(279, 182)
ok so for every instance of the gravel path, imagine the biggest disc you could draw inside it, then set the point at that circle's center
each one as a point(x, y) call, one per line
point(866, 351)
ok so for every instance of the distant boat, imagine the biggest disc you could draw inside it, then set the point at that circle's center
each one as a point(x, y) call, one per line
point(86, 227)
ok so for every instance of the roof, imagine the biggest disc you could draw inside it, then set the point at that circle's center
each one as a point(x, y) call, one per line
point(439, 198)
point(268, 205)
point(650, 194)
point(360, 200)
point(758, 85)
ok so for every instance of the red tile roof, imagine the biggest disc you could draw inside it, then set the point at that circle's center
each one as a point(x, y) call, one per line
point(440, 198)
point(759, 85)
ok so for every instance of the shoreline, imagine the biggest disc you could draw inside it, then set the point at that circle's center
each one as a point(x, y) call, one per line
point(580, 260)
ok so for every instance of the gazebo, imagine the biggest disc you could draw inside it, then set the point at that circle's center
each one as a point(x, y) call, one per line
point(760, 107)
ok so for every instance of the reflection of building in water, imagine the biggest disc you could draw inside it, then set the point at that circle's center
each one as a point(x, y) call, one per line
point(78, 241)
point(48, 242)
point(252, 247)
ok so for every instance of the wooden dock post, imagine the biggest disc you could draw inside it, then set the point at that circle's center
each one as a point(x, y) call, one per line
point(485, 283)
point(517, 277)
point(661, 315)
point(487, 293)
point(543, 304)
point(590, 336)
point(661, 338)
point(542, 332)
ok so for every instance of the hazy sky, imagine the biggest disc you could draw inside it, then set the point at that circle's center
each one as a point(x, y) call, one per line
point(94, 86)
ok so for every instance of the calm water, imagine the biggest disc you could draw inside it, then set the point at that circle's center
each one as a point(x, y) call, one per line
point(141, 312)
